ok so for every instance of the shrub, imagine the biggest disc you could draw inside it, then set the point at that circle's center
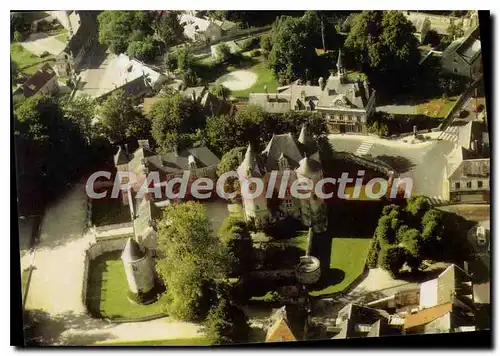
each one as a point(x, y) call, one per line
point(226, 324)
point(392, 258)
point(265, 43)
point(249, 43)
point(223, 52)
point(170, 61)
point(18, 36)
point(372, 259)
point(255, 53)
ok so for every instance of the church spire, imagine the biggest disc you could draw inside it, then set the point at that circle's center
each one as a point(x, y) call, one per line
point(303, 137)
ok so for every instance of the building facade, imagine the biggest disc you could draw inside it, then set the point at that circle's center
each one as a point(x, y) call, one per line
point(290, 159)
point(345, 103)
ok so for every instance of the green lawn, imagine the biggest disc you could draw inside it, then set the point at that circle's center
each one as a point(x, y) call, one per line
point(63, 37)
point(27, 61)
point(264, 77)
point(347, 261)
point(107, 290)
point(195, 341)
point(436, 108)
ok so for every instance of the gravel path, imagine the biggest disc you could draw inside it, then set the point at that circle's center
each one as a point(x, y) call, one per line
point(238, 80)
point(55, 287)
point(37, 43)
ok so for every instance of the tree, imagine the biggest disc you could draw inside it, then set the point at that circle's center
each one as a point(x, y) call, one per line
point(192, 260)
point(118, 28)
point(432, 38)
point(231, 160)
point(417, 206)
point(226, 324)
point(82, 111)
point(190, 79)
point(292, 48)
point(18, 36)
point(50, 150)
point(144, 49)
point(383, 42)
point(170, 61)
point(222, 133)
point(432, 232)
point(454, 31)
point(185, 59)
point(121, 119)
point(223, 52)
point(168, 28)
point(384, 232)
point(392, 259)
point(238, 246)
point(173, 118)
point(219, 91)
point(14, 70)
point(265, 43)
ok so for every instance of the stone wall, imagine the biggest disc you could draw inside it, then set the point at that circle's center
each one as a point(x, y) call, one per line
point(95, 250)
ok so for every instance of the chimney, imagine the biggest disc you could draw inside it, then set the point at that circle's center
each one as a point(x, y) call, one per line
point(321, 82)
point(193, 95)
point(126, 148)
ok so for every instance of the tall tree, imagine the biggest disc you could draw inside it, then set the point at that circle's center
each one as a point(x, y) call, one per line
point(146, 48)
point(117, 27)
point(384, 43)
point(82, 111)
point(292, 48)
point(168, 28)
point(226, 324)
point(121, 119)
point(238, 246)
point(173, 118)
point(191, 261)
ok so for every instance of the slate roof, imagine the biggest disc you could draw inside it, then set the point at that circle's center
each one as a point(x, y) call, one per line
point(472, 168)
point(353, 315)
point(467, 47)
point(88, 27)
point(482, 293)
point(272, 103)
point(339, 93)
point(132, 251)
point(282, 144)
point(428, 315)
point(33, 85)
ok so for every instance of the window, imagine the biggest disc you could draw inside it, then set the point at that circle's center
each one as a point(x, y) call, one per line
point(469, 184)
point(479, 183)
point(134, 268)
point(455, 70)
point(341, 117)
point(288, 204)
point(457, 185)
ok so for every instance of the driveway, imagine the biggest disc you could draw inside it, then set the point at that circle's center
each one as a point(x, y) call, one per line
point(37, 43)
point(55, 287)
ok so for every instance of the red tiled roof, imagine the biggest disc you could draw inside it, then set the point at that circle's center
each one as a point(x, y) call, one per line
point(427, 315)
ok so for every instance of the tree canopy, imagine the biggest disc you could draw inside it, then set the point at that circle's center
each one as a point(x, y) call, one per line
point(191, 260)
point(384, 43)
point(121, 119)
point(118, 28)
point(168, 28)
point(226, 324)
point(238, 246)
point(82, 111)
point(174, 117)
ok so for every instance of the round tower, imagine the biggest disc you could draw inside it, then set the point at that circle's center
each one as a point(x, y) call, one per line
point(138, 268)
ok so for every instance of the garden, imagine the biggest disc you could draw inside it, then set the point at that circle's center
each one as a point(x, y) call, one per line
point(109, 211)
point(107, 289)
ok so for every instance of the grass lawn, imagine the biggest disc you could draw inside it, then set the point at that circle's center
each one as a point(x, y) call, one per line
point(24, 281)
point(63, 37)
point(299, 241)
point(264, 77)
point(436, 108)
point(27, 61)
point(107, 290)
point(356, 74)
point(195, 341)
point(347, 261)
point(109, 211)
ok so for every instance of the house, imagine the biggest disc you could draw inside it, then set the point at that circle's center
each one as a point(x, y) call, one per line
point(355, 320)
point(463, 56)
point(44, 81)
point(285, 155)
point(422, 26)
point(467, 179)
point(199, 161)
point(345, 103)
point(200, 29)
point(121, 72)
point(288, 323)
point(82, 26)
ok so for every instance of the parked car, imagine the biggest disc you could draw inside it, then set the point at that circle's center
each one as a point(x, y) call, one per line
point(481, 235)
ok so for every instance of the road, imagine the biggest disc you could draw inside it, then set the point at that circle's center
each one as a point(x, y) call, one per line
point(423, 162)
point(55, 286)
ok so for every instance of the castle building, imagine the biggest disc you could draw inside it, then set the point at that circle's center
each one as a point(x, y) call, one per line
point(138, 268)
point(345, 103)
point(287, 156)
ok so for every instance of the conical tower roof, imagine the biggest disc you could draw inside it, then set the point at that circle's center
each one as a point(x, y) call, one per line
point(339, 60)
point(304, 135)
point(306, 167)
point(249, 162)
point(120, 157)
point(132, 251)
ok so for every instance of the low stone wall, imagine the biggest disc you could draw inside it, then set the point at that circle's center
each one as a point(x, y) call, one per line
point(95, 250)
point(274, 274)
point(105, 228)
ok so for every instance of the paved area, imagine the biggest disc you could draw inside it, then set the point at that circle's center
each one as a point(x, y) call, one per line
point(37, 43)
point(55, 287)
point(423, 162)
point(238, 80)
point(398, 109)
